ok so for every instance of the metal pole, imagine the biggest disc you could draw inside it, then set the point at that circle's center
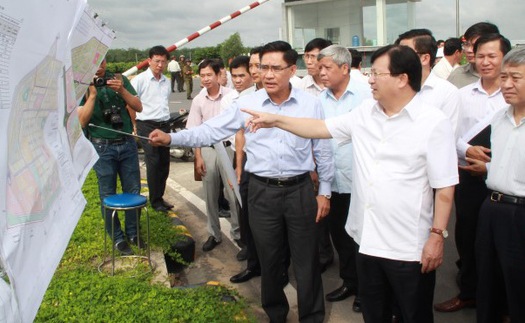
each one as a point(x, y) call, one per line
point(196, 34)
point(457, 19)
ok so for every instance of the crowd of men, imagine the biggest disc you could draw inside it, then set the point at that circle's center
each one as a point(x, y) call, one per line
point(368, 165)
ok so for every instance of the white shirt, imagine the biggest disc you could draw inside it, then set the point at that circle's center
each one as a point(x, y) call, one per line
point(476, 106)
point(308, 84)
point(173, 66)
point(356, 92)
point(443, 68)
point(356, 74)
point(227, 101)
point(506, 170)
point(154, 96)
point(443, 95)
point(295, 80)
point(398, 160)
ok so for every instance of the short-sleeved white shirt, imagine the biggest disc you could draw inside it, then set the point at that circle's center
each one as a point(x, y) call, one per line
point(398, 160)
point(443, 95)
point(154, 95)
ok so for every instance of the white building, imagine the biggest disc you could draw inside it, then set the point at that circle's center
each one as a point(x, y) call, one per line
point(379, 22)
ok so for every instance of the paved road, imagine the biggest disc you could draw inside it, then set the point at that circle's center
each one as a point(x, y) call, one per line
point(220, 263)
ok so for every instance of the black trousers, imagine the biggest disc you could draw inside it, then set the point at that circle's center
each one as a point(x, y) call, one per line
point(173, 78)
point(500, 252)
point(468, 197)
point(252, 262)
point(326, 252)
point(343, 243)
point(157, 161)
point(381, 281)
point(277, 213)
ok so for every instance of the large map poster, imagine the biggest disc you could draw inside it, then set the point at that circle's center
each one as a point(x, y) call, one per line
point(49, 52)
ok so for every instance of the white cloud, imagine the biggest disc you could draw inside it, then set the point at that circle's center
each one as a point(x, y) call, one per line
point(142, 24)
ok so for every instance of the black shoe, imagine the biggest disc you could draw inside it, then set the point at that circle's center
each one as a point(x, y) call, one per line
point(136, 241)
point(245, 276)
point(210, 244)
point(339, 294)
point(356, 307)
point(161, 208)
point(189, 98)
point(123, 248)
point(242, 254)
point(167, 205)
point(172, 91)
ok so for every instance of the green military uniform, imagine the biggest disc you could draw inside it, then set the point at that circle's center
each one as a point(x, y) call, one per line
point(187, 73)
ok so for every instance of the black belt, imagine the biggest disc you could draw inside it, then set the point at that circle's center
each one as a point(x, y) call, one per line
point(103, 141)
point(158, 124)
point(503, 198)
point(226, 143)
point(282, 182)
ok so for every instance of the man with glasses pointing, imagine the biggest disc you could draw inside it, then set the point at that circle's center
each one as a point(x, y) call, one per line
point(281, 200)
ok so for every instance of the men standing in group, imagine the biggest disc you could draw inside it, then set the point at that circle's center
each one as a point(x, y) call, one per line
point(187, 73)
point(281, 200)
point(403, 152)
point(153, 90)
point(452, 56)
point(107, 107)
point(206, 105)
point(500, 243)
point(312, 84)
point(341, 96)
point(175, 73)
point(434, 91)
point(467, 74)
point(479, 101)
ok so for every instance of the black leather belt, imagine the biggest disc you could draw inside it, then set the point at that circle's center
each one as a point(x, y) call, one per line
point(226, 143)
point(158, 124)
point(102, 141)
point(282, 182)
point(503, 198)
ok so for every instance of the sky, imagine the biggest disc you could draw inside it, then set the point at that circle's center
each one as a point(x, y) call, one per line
point(146, 23)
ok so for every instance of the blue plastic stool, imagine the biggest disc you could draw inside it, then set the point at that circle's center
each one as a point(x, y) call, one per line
point(125, 202)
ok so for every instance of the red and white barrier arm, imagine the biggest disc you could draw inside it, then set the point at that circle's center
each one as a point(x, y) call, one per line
point(201, 32)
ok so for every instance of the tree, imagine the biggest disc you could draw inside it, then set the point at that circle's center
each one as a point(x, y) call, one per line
point(231, 48)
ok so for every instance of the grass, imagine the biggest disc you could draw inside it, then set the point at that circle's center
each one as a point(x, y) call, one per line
point(78, 292)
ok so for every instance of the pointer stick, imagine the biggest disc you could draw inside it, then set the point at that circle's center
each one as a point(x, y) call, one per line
point(118, 131)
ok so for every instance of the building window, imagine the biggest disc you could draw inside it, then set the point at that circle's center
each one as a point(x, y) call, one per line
point(332, 34)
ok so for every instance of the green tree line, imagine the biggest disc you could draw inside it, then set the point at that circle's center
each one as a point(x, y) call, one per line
point(120, 60)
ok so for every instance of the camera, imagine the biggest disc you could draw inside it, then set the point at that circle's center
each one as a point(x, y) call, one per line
point(113, 117)
point(101, 81)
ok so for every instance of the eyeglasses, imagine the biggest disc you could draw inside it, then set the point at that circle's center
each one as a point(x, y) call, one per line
point(159, 61)
point(310, 56)
point(467, 44)
point(375, 74)
point(276, 69)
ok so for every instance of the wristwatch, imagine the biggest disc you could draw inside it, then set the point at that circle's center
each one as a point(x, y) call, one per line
point(443, 233)
point(327, 196)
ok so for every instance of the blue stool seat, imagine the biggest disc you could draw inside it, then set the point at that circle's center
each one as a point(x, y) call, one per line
point(125, 200)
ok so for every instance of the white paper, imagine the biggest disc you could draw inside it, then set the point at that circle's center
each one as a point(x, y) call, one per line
point(48, 50)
